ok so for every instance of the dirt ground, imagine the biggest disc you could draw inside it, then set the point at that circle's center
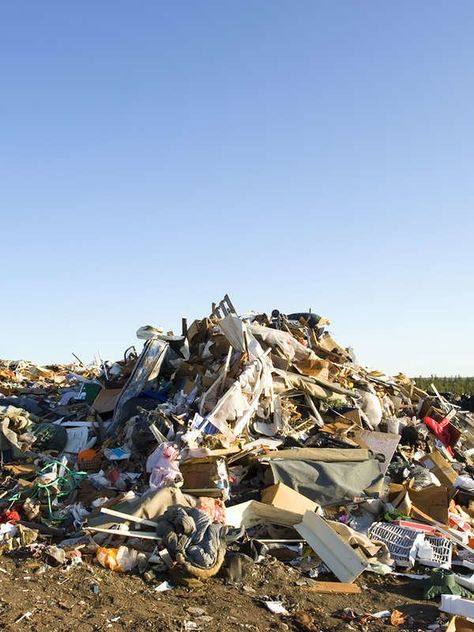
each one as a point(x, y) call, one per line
point(89, 598)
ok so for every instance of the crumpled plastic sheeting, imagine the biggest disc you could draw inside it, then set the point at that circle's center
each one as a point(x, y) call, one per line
point(239, 337)
point(286, 381)
point(237, 405)
point(164, 467)
point(293, 350)
point(465, 483)
point(371, 408)
point(22, 536)
point(191, 533)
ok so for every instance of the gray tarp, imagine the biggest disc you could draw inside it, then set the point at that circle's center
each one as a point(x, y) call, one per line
point(329, 483)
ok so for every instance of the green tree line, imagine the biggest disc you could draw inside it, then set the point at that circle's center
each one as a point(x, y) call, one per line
point(455, 384)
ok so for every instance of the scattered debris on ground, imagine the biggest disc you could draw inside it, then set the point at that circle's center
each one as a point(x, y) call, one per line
point(247, 473)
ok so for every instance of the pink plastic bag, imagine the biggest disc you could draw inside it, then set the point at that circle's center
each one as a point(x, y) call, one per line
point(163, 465)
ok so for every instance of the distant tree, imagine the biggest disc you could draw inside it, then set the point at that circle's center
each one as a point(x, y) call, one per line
point(459, 385)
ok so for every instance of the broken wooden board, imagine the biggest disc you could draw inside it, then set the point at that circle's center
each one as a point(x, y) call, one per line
point(326, 455)
point(123, 533)
point(125, 516)
point(334, 587)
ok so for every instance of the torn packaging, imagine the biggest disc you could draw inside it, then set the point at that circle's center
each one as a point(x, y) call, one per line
point(239, 337)
point(292, 350)
point(15, 423)
point(252, 513)
point(373, 551)
point(460, 624)
point(206, 476)
point(380, 443)
point(286, 381)
point(106, 400)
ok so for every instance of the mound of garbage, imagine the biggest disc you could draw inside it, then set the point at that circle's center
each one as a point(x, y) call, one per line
point(241, 437)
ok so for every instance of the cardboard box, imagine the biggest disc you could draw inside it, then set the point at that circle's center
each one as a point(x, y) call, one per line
point(440, 467)
point(432, 501)
point(428, 410)
point(460, 624)
point(206, 476)
point(283, 497)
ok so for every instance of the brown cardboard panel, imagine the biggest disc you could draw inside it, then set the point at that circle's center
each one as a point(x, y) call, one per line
point(106, 400)
point(432, 501)
point(283, 497)
point(440, 467)
point(460, 624)
point(202, 476)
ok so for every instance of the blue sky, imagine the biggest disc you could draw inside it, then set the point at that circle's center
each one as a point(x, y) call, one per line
point(155, 155)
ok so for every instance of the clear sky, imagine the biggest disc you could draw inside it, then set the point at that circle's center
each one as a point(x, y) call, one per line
point(155, 155)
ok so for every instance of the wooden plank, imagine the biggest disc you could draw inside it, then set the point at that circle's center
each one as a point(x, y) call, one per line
point(145, 535)
point(333, 587)
point(326, 455)
point(121, 514)
point(212, 492)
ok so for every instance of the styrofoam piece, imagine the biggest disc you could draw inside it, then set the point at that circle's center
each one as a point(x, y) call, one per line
point(338, 556)
point(276, 607)
point(467, 582)
point(457, 605)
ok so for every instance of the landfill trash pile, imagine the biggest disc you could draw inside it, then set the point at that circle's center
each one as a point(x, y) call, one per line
point(242, 438)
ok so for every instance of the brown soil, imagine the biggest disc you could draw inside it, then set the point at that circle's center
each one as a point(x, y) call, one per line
point(61, 600)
